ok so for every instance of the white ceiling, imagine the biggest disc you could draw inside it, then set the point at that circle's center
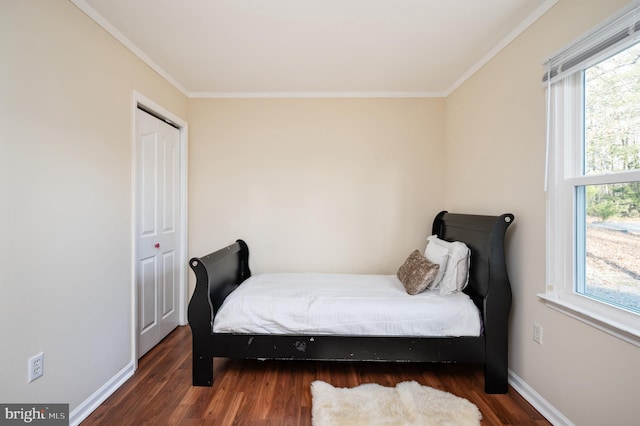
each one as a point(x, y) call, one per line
point(242, 48)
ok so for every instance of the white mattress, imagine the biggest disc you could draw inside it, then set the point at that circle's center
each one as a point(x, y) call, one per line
point(343, 304)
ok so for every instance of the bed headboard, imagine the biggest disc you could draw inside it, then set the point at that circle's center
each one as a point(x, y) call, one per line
point(484, 235)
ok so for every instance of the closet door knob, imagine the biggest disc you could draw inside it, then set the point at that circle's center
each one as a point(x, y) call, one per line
point(157, 245)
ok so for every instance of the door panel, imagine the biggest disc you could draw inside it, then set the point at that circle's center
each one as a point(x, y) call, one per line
point(147, 296)
point(157, 231)
point(169, 279)
point(170, 200)
point(148, 186)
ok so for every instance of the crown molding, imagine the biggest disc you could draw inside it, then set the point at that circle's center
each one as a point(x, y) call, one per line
point(541, 10)
point(302, 95)
point(107, 26)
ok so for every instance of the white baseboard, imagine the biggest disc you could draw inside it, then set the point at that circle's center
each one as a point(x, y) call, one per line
point(550, 412)
point(90, 404)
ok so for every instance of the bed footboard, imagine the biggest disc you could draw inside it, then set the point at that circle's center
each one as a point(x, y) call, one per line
point(217, 275)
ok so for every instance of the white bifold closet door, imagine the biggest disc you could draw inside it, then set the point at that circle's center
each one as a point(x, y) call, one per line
point(157, 229)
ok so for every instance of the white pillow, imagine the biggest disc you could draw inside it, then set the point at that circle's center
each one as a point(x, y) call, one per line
point(440, 255)
point(456, 275)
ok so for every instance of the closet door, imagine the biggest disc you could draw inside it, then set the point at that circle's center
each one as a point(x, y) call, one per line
point(157, 229)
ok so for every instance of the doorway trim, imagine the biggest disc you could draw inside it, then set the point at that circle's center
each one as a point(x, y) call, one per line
point(162, 113)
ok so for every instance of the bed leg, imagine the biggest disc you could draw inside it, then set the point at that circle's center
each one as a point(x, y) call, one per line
point(496, 367)
point(202, 370)
point(495, 379)
point(201, 357)
point(496, 375)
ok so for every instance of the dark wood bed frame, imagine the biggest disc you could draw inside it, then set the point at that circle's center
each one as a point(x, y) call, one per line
point(219, 273)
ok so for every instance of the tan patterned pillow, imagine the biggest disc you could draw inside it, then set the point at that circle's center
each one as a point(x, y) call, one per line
point(417, 273)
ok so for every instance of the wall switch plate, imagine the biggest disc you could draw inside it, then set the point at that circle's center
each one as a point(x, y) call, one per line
point(36, 367)
point(537, 333)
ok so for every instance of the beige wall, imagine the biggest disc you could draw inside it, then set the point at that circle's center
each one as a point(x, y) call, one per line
point(342, 185)
point(66, 96)
point(495, 162)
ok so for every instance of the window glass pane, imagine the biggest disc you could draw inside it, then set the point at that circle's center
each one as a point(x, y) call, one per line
point(610, 268)
point(612, 114)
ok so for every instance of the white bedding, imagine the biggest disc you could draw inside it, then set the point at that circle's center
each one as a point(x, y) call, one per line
point(343, 304)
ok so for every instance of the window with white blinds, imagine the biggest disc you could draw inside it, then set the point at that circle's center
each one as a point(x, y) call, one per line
point(592, 177)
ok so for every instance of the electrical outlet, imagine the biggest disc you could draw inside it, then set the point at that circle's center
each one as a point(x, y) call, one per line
point(537, 333)
point(36, 367)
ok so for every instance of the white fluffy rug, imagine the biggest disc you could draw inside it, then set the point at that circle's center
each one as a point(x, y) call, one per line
point(409, 403)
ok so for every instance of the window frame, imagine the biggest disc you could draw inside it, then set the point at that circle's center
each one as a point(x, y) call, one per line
point(564, 241)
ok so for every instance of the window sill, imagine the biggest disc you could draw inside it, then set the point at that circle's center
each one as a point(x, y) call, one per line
point(621, 331)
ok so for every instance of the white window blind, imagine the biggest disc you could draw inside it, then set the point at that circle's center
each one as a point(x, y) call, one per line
point(607, 39)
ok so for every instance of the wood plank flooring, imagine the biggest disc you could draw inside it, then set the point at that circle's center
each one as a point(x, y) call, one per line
point(261, 393)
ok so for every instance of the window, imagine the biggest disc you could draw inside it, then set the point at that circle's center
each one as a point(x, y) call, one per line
point(593, 178)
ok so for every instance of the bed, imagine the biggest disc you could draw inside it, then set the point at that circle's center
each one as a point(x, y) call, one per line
point(220, 276)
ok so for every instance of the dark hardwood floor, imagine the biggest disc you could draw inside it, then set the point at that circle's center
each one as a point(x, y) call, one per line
point(247, 392)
